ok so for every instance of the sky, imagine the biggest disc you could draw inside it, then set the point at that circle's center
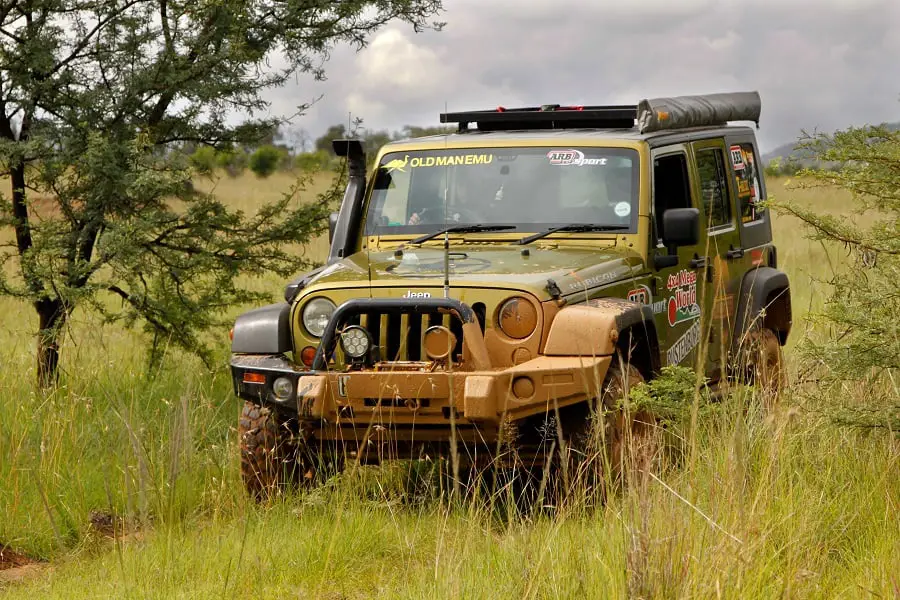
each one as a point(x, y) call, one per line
point(821, 65)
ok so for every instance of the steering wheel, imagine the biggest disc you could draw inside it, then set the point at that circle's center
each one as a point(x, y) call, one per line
point(465, 215)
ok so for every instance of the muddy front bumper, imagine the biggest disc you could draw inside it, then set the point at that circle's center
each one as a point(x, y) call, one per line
point(416, 396)
point(411, 396)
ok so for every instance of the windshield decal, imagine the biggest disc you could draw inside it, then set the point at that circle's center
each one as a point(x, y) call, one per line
point(573, 157)
point(622, 209)
point(451, 161)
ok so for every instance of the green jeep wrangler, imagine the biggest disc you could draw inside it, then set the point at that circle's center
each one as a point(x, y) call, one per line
point(487, 289)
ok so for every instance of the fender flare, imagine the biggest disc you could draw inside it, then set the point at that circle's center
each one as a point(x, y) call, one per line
point(265, 330)
point(757, 287)
point(594, 328)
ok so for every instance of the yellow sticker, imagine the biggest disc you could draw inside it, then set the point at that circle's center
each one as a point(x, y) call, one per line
point(451, 161)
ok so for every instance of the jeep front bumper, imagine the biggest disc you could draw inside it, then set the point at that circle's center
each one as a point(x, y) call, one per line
point(418, 397)
point(411, 395)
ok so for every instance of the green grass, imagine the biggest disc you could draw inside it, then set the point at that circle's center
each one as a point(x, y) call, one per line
point(787, 505)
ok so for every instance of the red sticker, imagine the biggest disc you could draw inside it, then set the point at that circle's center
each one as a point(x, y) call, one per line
point(737, 158)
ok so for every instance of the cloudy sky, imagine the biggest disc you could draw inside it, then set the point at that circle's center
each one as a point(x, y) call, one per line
point(817, 64)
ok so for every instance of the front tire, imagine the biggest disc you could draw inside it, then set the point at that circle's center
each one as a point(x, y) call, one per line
point(271, 460)
point(613, 443)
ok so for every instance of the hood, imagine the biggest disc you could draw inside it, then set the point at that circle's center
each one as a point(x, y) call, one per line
point(572, 268)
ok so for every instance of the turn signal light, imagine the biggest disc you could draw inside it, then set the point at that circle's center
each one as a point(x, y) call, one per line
point(254, 378)
point(307, 355)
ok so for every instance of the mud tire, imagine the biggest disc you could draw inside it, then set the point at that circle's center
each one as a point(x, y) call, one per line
point(609, 446)
point(271, 460)
point(765, 362)
point(633, 436)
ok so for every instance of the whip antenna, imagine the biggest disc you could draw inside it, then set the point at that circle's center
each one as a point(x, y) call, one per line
point(446, 264)
point(446, 218)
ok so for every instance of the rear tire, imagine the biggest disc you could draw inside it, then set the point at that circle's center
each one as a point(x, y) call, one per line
point(765, 362)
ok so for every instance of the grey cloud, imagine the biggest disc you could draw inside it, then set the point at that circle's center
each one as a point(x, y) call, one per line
point(825, 64)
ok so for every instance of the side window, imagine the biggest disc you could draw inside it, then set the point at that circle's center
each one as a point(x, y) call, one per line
point(671, 187)
point(746, 176)
point(390, 198)
point(714, 187)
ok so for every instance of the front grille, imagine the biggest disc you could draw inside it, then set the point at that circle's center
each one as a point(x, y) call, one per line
point(399, 336)
point(397, 325)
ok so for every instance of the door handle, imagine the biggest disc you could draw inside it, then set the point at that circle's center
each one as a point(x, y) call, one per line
point(703, 262)
point(699, 262)
point(735, 253)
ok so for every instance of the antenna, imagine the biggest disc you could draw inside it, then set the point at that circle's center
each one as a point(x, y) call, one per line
point(446, 264)
point(446, 216)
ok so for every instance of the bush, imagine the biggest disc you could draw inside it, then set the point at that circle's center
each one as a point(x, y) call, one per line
point(203, 160)
point(314, 161)
point(265, 160)
point(233, 161)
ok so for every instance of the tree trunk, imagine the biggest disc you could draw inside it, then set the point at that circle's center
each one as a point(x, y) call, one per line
point(51, 318)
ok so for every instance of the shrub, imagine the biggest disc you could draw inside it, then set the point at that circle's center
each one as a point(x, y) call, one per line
point(233, 161)
point(314, 161)
point(265, 160)
point(203, 160)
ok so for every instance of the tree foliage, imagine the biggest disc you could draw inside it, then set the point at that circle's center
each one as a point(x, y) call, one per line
point(97, 98)
point(862, 311)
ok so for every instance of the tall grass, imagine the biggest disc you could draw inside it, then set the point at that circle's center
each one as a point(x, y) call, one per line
point(783, 504)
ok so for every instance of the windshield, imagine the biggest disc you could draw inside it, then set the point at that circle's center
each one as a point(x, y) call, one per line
point(532, 189)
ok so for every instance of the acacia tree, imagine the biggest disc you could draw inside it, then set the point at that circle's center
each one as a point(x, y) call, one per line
point(97, 96)
point(862, 312)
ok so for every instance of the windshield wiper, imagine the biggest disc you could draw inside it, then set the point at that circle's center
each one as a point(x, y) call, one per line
point(460, 229)
point(572, 228)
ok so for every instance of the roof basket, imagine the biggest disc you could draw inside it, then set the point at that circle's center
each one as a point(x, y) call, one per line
point(651, 115)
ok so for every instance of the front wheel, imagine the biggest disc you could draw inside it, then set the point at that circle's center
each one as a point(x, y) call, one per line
point(614, 442)
point(273, 455)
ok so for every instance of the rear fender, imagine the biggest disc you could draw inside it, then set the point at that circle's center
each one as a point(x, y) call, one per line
point(765, 301)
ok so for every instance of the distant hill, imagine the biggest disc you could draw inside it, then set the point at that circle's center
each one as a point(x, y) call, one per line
point(799, 155)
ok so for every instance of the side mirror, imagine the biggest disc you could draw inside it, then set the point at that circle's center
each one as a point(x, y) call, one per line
point(332, 225)
point(681, 227)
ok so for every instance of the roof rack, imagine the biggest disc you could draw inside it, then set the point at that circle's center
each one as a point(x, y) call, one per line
point(655, 114)
point(548, 116)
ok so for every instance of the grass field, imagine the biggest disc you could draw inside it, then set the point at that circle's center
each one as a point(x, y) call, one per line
point(126, 484)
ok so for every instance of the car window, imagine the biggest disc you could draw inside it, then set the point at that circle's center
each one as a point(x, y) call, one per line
point(746, 175)
point(714, 187)
point(531, 188)
point(671, 186)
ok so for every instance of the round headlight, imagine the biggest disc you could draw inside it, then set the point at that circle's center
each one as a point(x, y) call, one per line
point(517, 318)
point(355, 341)
point(282, 388)
point(316, 314)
